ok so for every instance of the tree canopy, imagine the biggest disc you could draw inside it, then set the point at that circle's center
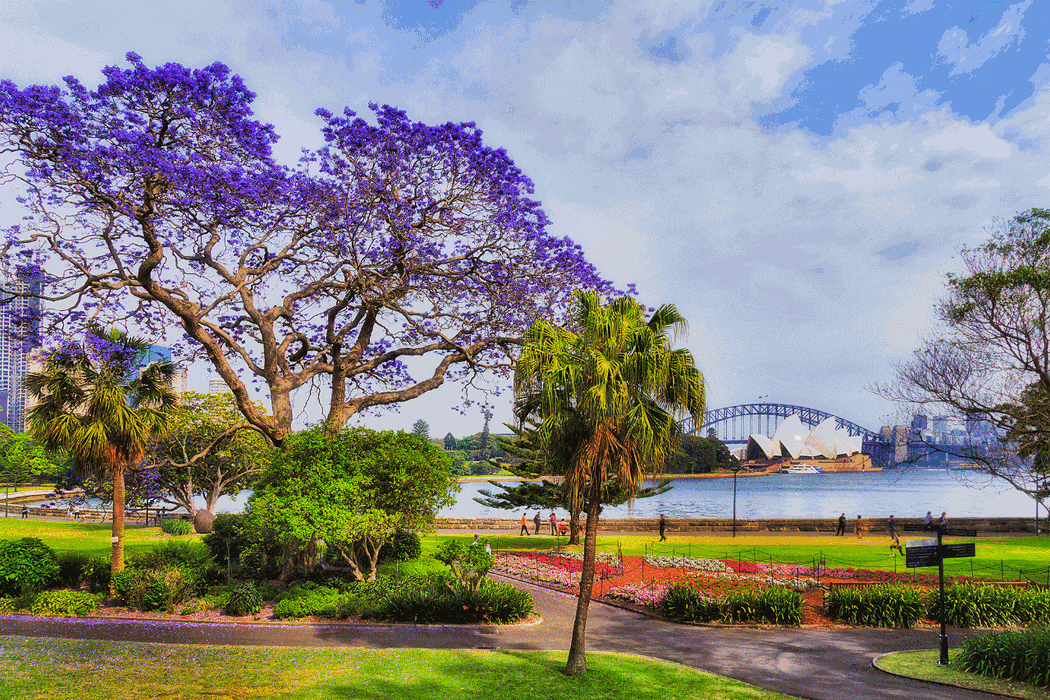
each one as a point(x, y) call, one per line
point(988, 365)
point(155, 200)
point(184, 471)
point(351, 491)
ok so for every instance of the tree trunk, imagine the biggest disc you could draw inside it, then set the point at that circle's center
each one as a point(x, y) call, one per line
point(577, 663)
point(116, 562)
point(574, 528)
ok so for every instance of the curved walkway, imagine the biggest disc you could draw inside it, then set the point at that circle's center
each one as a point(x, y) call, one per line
point(818, 664)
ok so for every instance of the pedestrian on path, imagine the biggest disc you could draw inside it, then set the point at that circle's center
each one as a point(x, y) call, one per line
point(928, 523)
point(896, 544)
point(25, 512)
point(536, 519)
point(663, 527)
point(943, 521)
point(842, 526)
point(524, 523)
point(554, 523)
point(858, 527)
point(893, 527)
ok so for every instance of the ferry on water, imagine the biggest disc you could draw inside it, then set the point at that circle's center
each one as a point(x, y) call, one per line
point(801, 468)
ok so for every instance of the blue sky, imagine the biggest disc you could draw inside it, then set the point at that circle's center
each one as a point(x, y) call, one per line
point(796, 176)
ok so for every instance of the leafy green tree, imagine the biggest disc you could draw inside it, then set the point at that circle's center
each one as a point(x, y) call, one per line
point(23, 459)
point(606, 389)
point(96, 400)
point(421, 429)
point(700, 455)
point(351, 491)
point(450, 441)
point(186, 470)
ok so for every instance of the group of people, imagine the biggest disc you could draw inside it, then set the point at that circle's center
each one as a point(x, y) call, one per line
point(928, 525)
point(538, 520)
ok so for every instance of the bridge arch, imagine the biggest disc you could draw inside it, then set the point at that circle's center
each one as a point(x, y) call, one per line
point(733, 424)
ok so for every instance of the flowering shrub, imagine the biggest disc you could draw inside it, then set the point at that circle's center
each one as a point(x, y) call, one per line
point(534, 569)
point(693, 563)
point(601, 557)
point(650, 595)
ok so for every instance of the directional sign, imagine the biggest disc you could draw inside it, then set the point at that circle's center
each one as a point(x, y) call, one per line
point(958, 549)
point(921, 556)
point(958, 532)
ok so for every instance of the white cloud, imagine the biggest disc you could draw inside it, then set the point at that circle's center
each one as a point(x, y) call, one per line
point(976, 139)
point(760, 65)
point(956, 48)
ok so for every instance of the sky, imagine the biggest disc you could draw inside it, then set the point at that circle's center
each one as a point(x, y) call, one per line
point(796, 177)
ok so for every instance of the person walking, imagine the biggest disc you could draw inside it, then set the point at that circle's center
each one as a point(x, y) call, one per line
point(554, 523)
point(942, 522)
point(524, 523)
point(25, 512)
point(536, 519)
point(893, 527)
point(896, 544)
point(928, 523)
point(842, 526)
point(663, 527)
point(858, 527)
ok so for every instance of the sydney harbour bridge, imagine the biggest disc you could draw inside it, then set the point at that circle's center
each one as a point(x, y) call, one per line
point(733, 424)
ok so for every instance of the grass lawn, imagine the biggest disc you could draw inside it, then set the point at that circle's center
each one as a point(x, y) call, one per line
point(58, 668)
point(90, 538)
point(923, 664)
point(1012, 558)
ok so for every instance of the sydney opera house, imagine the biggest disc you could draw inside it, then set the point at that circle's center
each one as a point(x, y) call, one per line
point(823, 446)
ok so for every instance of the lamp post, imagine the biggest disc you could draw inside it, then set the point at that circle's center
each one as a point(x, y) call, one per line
point(735, 470)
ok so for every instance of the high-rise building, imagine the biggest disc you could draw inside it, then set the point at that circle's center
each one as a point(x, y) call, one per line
point(19, 321)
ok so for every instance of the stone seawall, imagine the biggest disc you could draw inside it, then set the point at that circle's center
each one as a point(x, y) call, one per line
point(720, 525)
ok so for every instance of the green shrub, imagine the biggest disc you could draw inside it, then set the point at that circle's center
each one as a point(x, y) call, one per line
point(403, 546)
point(877, 606)
point(71, 568)
point(244, 600)
point(1018, 656)
point(493, 602)
point(65, 603)
point(227, 538)
point(470, 563)
point(8, 605)
point(176, 527)
point(97, 572)
point(26, 564)
point(1033, 607)
point(684, 603)
point(141, 590)
point(183, 554)
point(774, 605)
point(970, 605)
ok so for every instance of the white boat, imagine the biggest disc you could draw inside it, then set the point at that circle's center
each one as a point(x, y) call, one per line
point(801, 468)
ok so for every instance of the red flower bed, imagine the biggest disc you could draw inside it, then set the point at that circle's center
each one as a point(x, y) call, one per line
point(602, 571)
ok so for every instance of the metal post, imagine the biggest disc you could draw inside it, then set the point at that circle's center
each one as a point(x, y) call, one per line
point(940, 573)
point(734, 501)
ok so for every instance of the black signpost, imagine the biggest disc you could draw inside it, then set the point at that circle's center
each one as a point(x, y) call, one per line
point(931, 552)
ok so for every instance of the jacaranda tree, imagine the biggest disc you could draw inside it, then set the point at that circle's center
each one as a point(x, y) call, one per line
point(607, 388)
point(157, 201)
point(99, 401)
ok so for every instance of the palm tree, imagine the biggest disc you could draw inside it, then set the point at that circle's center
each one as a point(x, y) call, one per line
point(607, 389)
point(95, 400)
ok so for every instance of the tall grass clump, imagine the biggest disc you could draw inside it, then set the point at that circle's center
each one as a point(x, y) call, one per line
point(877, 606)
point(774, 605)
point(970, 605)
point(1019, 656)
point(689, 605)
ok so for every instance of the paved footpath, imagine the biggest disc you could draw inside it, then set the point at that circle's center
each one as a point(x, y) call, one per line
point(817, 664)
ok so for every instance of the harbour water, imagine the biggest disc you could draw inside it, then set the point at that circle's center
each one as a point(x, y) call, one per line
point(902, 492)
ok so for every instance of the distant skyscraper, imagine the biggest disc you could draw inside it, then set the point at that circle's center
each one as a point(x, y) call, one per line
point(216, 385)
point(19, 319)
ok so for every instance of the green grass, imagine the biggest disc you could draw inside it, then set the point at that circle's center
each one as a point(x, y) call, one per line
point(90, 538)
point(56, 668)
point(923, 665)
